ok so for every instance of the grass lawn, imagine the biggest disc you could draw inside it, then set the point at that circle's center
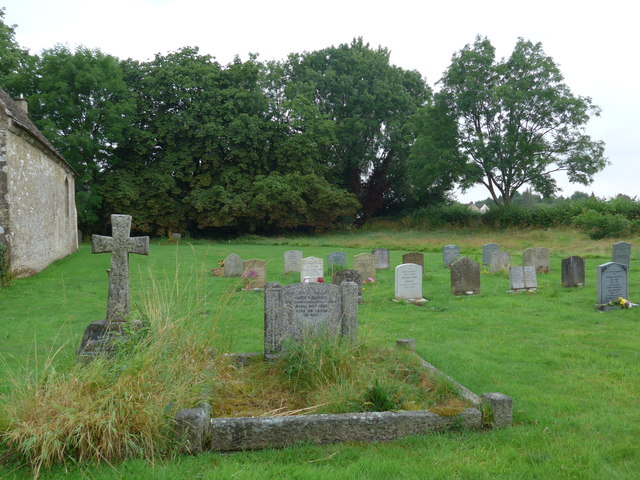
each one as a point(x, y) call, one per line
point(573, 372)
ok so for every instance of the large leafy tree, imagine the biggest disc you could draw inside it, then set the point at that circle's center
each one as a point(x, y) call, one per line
point(370, 102)
point(16, 64)
point(518, 122)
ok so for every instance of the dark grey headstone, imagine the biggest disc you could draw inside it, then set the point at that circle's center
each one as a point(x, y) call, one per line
point(450, 253)
point(414, 257)
point(382, 258)
point(336, 260)
point(349, 276)
point(573, 271)
point(621, 253)
point(233, 265)
point(538, 257)
point(465, 277)
point(612, 282)
point(487, 251)
point(292, 261)
point(408, 284)
point(305, 310)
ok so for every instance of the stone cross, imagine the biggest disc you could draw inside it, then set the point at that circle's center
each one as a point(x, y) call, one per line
point(120, 245)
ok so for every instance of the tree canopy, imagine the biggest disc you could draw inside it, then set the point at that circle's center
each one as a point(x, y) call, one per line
point(517, 122)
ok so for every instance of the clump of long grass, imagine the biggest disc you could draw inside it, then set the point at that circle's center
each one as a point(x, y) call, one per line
point(123, 406)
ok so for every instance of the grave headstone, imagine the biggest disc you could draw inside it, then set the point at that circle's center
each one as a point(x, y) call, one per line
point(342, 276)
point(487, 250)
point(499, 261)
point(365, 264)
point(414, 257)
point(538, 257)
point(465, 277)
point(450, 253)
point(292, 261)
point(336, 260)
point(409, 283)
point(312, 270)
point(523, 278)
point(382, 258)
point(573, 271)
point(304, 310)
point(176, 237)
point(621, 253)
point(254, 274)
point(612, 282)
point(233, 265)
point(99, 337)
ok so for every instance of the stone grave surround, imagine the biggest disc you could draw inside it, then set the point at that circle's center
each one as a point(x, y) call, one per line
point(292, 261)
point(612, 282)
point(301, 310)
point(408, 282)
point(99, 336)
point(382, 258)
point(538, 257)
point(621, 253)
point(465, 277)
point(233, 265)
point(312, 269)
point(573, 271)
point(260, 268)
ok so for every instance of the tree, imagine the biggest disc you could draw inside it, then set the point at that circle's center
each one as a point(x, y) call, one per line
point(518, 123)
point(16, 64)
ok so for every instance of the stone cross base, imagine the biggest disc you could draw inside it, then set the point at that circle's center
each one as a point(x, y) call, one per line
point(101, 338)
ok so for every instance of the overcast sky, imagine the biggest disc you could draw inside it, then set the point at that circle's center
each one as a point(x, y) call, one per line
point(595, 43)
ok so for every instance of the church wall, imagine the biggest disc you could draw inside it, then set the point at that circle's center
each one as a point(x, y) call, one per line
point(42, 214)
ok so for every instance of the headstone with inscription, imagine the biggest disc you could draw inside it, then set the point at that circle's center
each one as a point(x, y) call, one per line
point(487, 251)
point(342, 276)
point(450, 253)
point(612, 283)
point(538, 257)
point(233, 265)
point(303, 310)
point(336, 261)
point(465, 277)
point(292, 261)
point(523, 278)
point(409, 283)
point(414, 257)
point(499, 261)
point(621, 253)
point(312, 270)
point(365, 264)
point(573, 271)
point(101, 337)
point(254, 274)
point(382, 258)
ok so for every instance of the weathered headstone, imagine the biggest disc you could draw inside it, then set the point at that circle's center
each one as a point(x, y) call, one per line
point(612, 282)
point(538, 257)
point(450, 253)
point(342, 276)
point(523, 278)
point(487, 250)
point(365, 264)
point(292, 261)
point(336, 260)
point(254, 274)
point(499, 261)
point(409, 283)
point(621, 253)
point(303, 310)
point(176, 237)
point(100, 337)
point(465, 277)
point(573, 271)
point(382, 258)
point(312, 269)
point(414, 257)
point(233, 265)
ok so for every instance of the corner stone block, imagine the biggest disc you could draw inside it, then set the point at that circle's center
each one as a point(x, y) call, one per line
point(502, 409)
point(193, 428)
point(406, 344)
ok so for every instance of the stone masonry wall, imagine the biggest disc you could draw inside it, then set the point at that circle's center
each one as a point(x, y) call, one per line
point(4, 205)
point(40, 194)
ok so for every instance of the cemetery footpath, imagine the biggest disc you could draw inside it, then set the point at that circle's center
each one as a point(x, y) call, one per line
point(571, 370)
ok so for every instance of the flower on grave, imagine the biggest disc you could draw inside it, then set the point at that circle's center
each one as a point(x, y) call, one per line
point(249, 275)
point(624, 303)
point(618, 302)
point(371, 280)
point(320, 280)
point(221, 263)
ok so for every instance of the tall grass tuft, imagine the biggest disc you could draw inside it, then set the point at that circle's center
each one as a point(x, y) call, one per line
point(121, 407)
